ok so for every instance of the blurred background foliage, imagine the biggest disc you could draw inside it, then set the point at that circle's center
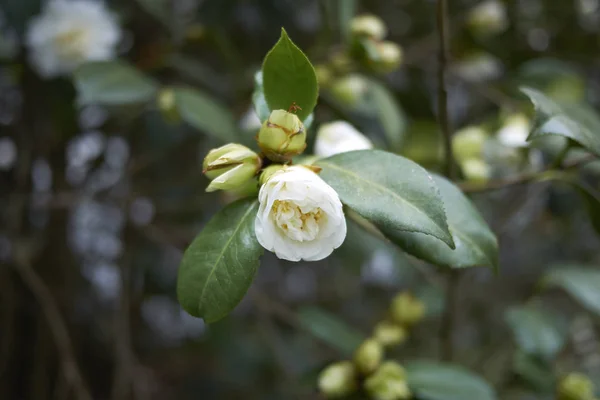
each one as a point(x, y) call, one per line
point(101, 190)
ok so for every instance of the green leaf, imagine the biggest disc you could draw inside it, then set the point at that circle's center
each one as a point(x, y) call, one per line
point(346, 11)
point(389, 113)
point(437, 381)
point(112, 83)
point(220, 264)
point(578, 122)
point(535, 332)
point(330, 329)
point(258, 98)
point(391, 191)
point(206, 114)
point(476, 244)
point(581, 283)
point(289, 77)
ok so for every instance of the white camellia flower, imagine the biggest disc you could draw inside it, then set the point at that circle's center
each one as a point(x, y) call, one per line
point(339, 137)
point(300, 216)
point(69, 33)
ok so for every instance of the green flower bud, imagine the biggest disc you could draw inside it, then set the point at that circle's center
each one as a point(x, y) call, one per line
point(368, 356)
point(388, 383)
point(389, 334)
point(338, 380)
point(468, 142)
point(324, 75)
point(167, 105)
point(350, 89)
point(575, 386)
point(388, 57)
point(476, 170)
point(282, 136)
point(269, 171)
point(488, 18)
point(341, 63)
point(369, 26)
point(230, 166)
point(407, 309)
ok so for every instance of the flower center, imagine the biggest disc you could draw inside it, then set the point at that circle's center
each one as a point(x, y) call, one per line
point(72, 43)
point(300, 223)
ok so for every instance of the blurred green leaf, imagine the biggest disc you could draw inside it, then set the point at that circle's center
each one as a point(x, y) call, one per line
point(330, 329)
point(220, 264)
point(580, 282)
point(205, 114)
point(476, 244)
point(346, 11)
point(578, 122)
point(391, 191)
point(289, 77)
point(389, 113)
point(437, 381)
point(112, 83)
point(534, 372)
point(258, 98)
point(535, 332)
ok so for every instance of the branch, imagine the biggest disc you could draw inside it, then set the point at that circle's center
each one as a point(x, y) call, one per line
point(57, 326)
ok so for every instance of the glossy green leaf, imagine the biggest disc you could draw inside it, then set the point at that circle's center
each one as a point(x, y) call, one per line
point(392, 192)
point(220, 264)
point(205, 114)
point(476, 244)
point(330, 329)
point(578, 122)
point(580, 282)
point(388, 113)
point(535, 332)
point(112, 83)
point(437, 381)
point(289, 77)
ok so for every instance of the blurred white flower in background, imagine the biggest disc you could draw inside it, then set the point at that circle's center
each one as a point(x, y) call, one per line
point(69, 33)
point(339, 137)
point(488, 17)
point(514, 131)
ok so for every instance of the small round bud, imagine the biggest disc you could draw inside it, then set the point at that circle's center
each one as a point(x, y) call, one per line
point(369, 26)
point(368, 356)
point(514, 131)
point(468, 142)
point(488, 18)
point(266, 173)
point(575, 386)
point(388, 57)
point(388, 383)
point(167, 105)
point(230, 166)
point(338, 380)
point(282, 136)
point(350, 89)
point(389, 334)
point(341, 63)
point(407, 309)
point(476, 170)
point(324, 75)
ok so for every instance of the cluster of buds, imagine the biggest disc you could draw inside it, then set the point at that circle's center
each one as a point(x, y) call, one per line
point(366, 47)
point(381, 379)
point(234, 166)
point(576, 386)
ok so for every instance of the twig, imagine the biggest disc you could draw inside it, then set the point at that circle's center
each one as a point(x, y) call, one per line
point(57, 326)
point(521, 179)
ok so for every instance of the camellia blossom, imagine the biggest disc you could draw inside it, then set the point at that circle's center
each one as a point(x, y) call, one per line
point(69, 33)
point(339, 137)
point(300, 216)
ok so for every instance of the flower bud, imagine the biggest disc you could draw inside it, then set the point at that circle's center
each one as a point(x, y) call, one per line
point(389, 334)
point(488, 18)
point(388, 57)
point(407, 309)
point(167, 105)
point(230, 166)
point(338, 380)
point(282, 136)
point(341, 63)
point(324, 75)
point(476, 170)
point(468, 142)
point(369, 26)
point(388, 383)
point(575, 386)
point(368, 356)
point(514, 131)
point(266, 173)
point(350, 89)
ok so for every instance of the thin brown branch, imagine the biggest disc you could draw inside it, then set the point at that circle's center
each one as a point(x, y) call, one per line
point(57, 326)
